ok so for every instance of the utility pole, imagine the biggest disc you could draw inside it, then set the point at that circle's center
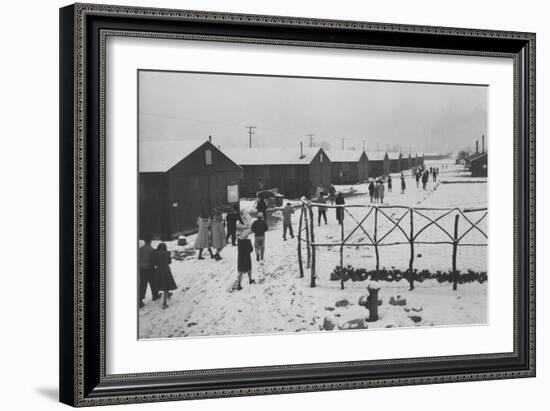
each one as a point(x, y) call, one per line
point(377, 146)
point(310, 139)
point(250, 133)
point(343, 144)
point(363, 145)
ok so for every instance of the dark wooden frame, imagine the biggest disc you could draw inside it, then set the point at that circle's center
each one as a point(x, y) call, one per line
point(83, 29)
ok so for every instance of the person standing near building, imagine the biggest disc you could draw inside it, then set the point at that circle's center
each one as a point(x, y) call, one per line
point(164, 276)
point(261, 206)
point(339, 200)
point(259, 228)
point(203, 237)
point(372, 189)
point(244, 263)
point(418, 174)
point(287, 220)
point(381, 191)
point(332, 194)
point(217, 235)
point(321, 211)
point(389, 184)
point(403, 185)
point(147, 271)
point(231, 221)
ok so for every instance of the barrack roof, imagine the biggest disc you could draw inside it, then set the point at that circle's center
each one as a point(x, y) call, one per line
point(271, 156)
point(161, 156)
point(343, 156)
point(376, 155)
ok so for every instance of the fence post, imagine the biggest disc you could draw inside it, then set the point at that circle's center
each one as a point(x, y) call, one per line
point(312, 225)
point(455, 247)
point(342, 240)
point(411, 260)
point(306, 217)
point(300, 262)
point(376, 238)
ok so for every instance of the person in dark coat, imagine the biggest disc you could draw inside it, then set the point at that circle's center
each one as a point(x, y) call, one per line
point(259, 228)
point(165, 280)
point(389, 183)
point(244, 263)
point(147, 271)
point(425, 178)
point(403, 185)
point(321, 210)
point(372, 189)
point(261, 206)
point(339, 200)
point(231, 223)
point(331, 194)
point(418, 175)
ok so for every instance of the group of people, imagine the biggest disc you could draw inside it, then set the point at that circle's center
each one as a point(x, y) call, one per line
point(423, 174)
point(154, 271)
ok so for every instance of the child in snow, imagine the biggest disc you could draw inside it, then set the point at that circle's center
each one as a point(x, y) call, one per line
point(403, 185)
point(231, 220)
point(165, 280)
point(147, 271)
point(203, 237)
point(389, 184)
point(244, 263)
point(218, 235)
point(287, 220)
point(259, 228)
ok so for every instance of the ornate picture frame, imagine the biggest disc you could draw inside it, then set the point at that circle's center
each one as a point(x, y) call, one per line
point(84, 29)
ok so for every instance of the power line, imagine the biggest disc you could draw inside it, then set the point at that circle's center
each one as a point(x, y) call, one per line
point(250, 133)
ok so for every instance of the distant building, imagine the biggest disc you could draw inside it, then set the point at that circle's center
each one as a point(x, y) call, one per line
point(292, 172)
point(378, 163)
point(348, 166)
point(406, 161)
point(395, 161)
point(478, 165)
point(178, 180)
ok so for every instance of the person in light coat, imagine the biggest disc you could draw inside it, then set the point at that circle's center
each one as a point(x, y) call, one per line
point(217, 231)
point(381, 190)
point(203, 237)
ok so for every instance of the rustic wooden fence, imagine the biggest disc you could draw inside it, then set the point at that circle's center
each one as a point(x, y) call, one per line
point(409, 235)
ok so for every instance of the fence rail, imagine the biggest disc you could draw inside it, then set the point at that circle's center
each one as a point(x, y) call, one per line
point(408, 235)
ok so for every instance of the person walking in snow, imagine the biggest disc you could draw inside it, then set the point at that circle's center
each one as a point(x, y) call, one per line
point(389, 184)
point(203, 237)
point(381, 191)
point(259, 228)
point(244, 262)
point(217, 235)
point(321, 211)
point(231, 222)
point(403, 185)
point(164, 276)
point(418, 174)
point(339, 200)
point(287, 220)
point(372, 189)
point(147, 271)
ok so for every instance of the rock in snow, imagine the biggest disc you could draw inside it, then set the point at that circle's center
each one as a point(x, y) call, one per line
point(329, 323)
point(342, 303)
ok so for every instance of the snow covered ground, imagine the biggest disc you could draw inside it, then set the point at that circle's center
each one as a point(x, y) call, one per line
point(205, 303)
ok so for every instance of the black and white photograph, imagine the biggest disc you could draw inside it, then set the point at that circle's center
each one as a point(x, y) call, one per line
point(273, 204)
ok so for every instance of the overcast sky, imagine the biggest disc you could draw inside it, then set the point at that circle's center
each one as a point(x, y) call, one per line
point(426, 117)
